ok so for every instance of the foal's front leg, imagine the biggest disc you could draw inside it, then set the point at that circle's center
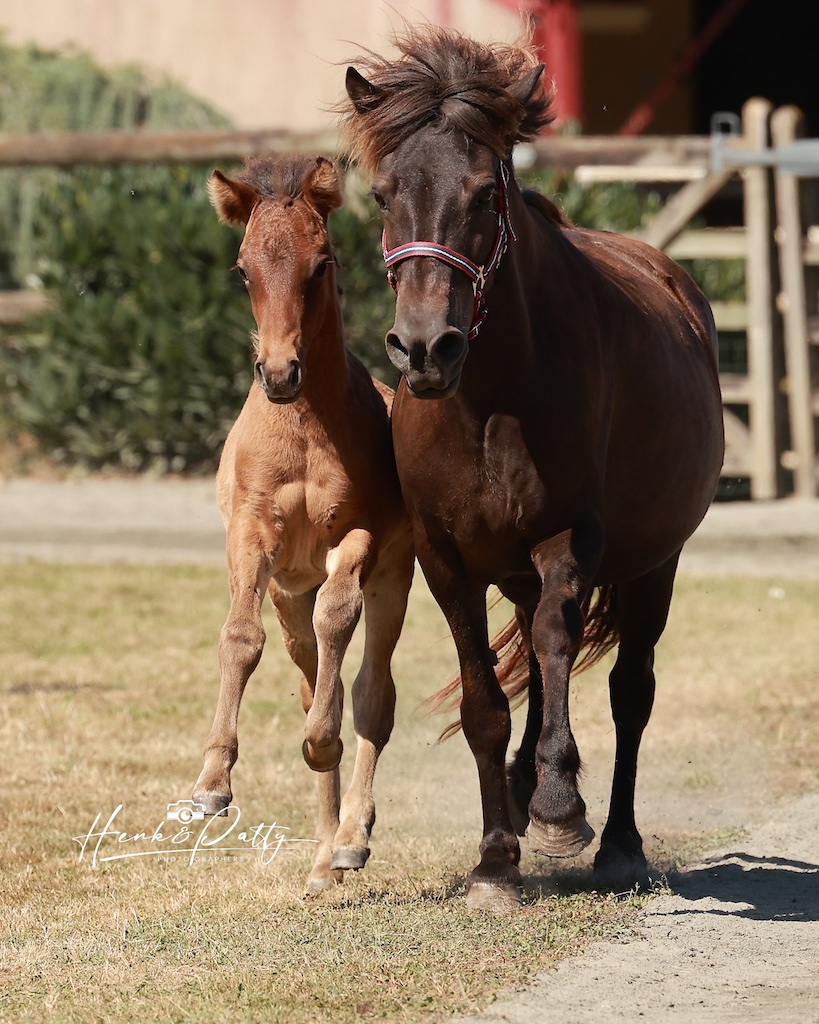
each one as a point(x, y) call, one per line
point(251, 546)
point(373, 698)
point(295, 614)
point(335, 615)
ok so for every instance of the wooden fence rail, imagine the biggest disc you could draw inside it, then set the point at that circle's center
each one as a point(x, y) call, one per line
point(70, 149)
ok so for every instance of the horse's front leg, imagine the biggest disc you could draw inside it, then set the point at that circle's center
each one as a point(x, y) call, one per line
point(557, 812)
point(251, 547)
point(495, 883)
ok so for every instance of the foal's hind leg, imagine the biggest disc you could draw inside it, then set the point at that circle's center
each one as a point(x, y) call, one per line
point(250, 549)
point(642, 611)
point(373, 696)
point(295, 614)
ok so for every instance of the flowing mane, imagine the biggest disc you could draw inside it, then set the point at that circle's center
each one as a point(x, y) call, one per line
point(442, 78)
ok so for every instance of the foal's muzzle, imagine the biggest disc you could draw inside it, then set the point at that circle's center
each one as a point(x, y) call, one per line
point(281, 384)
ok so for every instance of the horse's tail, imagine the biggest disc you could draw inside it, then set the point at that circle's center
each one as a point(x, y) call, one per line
point(600, 635)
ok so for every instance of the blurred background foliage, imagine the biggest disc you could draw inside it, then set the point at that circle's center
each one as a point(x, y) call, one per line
point(141, 360)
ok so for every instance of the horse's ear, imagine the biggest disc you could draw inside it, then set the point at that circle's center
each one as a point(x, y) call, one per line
point(233, 200)
point(364, 94)
point(524, 88)
point(322, 188)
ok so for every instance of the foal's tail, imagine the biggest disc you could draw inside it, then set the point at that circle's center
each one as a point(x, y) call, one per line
point(600, 635)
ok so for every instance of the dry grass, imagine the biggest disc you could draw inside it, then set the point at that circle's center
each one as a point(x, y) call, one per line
point(109, 679)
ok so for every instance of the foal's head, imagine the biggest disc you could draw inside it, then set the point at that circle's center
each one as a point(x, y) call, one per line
point(436, 129)
point(285, 258)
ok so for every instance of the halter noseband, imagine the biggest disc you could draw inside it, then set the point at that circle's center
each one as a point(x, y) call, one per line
point(476, 274)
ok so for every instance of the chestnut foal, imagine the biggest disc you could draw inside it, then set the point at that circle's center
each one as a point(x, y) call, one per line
point(308, 491)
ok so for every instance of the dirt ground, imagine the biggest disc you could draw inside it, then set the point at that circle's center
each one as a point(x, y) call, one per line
point(738, 940)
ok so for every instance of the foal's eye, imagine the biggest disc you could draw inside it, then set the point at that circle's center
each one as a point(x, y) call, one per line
point(321, 269)
point(242, 275)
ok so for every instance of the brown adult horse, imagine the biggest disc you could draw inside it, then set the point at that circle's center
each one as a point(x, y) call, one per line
point(308, 491)
point(574, 440)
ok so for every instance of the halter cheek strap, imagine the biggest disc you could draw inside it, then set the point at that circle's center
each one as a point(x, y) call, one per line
point(476, 274)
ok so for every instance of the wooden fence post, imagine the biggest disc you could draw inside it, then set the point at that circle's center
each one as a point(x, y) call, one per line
point(787, 124)
point(764, 370)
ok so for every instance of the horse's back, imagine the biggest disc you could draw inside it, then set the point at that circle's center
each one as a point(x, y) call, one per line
point(665, 441)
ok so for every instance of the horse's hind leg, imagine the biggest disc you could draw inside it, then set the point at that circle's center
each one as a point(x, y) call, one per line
point(250, 550)
point(295, 616)
point(642, 611)
point(521, 772)
point(373, 696)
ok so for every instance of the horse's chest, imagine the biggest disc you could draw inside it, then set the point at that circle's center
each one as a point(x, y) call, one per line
point(493, 486)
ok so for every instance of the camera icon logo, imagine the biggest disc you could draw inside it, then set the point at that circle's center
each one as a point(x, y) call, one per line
point(185, 811)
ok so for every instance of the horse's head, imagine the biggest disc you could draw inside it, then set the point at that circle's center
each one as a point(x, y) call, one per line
point(436, 129)
point(285, 259)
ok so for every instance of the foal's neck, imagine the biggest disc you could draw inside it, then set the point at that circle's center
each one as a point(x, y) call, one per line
point(327, 385)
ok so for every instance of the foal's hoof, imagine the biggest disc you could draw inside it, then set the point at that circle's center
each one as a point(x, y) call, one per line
point(322, 758)
point(494, 899)
point(322, 881)
point(213, 803)
point(565, 839)
point(349, 858)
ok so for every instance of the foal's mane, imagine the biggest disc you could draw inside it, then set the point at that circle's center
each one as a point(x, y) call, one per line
point(443, 78)
point(294, 177)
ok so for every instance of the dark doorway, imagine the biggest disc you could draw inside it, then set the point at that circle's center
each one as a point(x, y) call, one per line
point(768, 50)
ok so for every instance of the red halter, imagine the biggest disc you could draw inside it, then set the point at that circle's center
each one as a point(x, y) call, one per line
point(477, 275)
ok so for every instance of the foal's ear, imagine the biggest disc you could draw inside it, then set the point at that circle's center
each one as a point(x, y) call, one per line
point(524, 88)
point(233, 200)
point(322, 188)
point(364, 94)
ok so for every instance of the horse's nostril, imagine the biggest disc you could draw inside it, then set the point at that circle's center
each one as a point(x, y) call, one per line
point(394, 342)
point(295, 374)
point(258, 373)
point(448, 348)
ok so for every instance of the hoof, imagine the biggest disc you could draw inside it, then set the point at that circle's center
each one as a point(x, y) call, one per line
point(349, 858)
point(494, 899)
point(317, 884)
point(614, 868)
point(322, 759)
point(213, 803)
point(566, 839)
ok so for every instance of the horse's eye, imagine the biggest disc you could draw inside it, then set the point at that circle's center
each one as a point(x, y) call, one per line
point(242, 275)
point(483, 200)
point(321, 269)
point(380, 200)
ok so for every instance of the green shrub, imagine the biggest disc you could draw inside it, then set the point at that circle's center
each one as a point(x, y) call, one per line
point(145, 358)
point(142, 359)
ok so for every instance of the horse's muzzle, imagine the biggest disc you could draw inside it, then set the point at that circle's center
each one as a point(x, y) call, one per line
point(432, 370)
